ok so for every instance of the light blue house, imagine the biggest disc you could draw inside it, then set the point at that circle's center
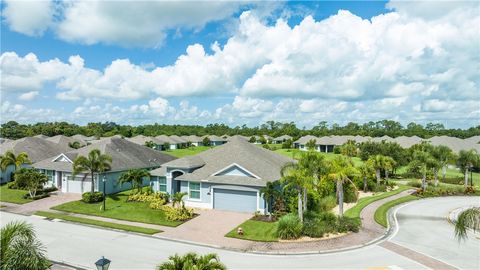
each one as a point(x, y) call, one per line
point(227, 177)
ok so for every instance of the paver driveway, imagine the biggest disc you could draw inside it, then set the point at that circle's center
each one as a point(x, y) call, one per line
point(210, 227)
point(44, 204)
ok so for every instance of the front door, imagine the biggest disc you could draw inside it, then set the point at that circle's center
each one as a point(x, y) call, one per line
point(59, 180)
point(178, 186)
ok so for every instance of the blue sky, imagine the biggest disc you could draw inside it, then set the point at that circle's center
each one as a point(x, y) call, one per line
point(240, 62)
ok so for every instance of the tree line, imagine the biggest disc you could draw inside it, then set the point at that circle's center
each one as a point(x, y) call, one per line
point(15, 130)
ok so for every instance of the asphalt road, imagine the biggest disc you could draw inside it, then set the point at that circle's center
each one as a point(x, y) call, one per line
point(81, 245)
point(423, 227)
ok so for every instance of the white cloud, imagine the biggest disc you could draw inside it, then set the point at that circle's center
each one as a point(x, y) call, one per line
point(28, 17)
point(28, 95)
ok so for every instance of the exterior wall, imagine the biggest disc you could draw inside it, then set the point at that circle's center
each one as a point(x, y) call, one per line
point(6, 176)
point(173, 146)
point(235, 171)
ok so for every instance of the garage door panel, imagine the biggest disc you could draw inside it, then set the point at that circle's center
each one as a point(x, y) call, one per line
point(235, 200)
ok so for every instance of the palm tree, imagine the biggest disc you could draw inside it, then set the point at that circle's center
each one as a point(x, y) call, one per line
point(366, 171)
point(388, 164)
point(377, 163)
point(177, 199)
point(192, 260)
point(469, 218)
point(443, 155)
point(134, 177)
point(422, 160)
point(9, 158)
point(314, 166)
point(96, 162)
point(466, 160)
point(270, 193)
point(341, 168)
point(20, 248)
point(294, 178)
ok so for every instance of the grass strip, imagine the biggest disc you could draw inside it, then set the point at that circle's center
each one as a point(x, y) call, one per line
point(128, 228)
point(256, 231)
point(355, 211)
point(381, 213)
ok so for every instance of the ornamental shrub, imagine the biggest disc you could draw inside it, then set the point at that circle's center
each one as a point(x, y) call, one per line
point(177, 214)
point(88, 197)
point(289, 227)
point(327, 203)
point(346, 224)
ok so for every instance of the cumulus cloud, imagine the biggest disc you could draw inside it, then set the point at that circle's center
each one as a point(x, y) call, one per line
point(28, 17)
point(28, 95)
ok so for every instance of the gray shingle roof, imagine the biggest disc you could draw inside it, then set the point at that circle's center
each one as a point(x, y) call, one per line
point(283, 138)
point(407, 142)
point(263, 163)
point(215, 138)
point(83, 137)
point(165, 139)
point(177, 139)
point(192, 138)
point(141, 140)
point(64, 141)
point(305, 139)
point(36, 148)
point(125, 155)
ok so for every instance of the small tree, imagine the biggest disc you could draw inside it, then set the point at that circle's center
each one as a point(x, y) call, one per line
point(74, 145)
point(33, 180)
point(466, 161)
point(252, 139)
point(341, 169)
point(349, 149)
point(366, 171)
point(288, 144)
point(166, 146)
point(177, 199)
point(468, 219)
point(269, 193)
point(311, 145)
point(262, 140)
point(206, 141)
point(134, 177)
point(150, 144)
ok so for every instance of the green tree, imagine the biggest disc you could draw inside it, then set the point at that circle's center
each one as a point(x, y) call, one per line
point(270, 194)
point(294, 178)
point(33, 180)
point(349, 148)
point(166, 146)
point(192, 261)
point(341, 169)
point(150, 144)
point(177, 199)
point(75, 145)
point(9, 158)
point(134, 177)
point(206, 141)
point(388, 165)
point(311, 145)
point(468, 219)
point(20, 248)
point(466, 161)
point(366, 171)
point(252, 139)
point(443, 155)
point(422, 161)
point(377, 162)
point(94, 163)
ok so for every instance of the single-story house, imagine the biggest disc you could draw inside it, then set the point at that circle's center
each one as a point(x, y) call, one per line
point(281, 139)
point(174, 144)
point(301, 143)
point(36, 148)
point(125, 155)
point(193, 139)
point(215, 140)
point(227, 177)
point(143, 140)
point(181, 143)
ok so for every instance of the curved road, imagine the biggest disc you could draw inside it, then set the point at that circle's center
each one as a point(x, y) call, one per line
point(423, 228)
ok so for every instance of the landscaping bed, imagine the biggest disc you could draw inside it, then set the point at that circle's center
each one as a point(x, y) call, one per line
point(128, 228)
point(117, 207)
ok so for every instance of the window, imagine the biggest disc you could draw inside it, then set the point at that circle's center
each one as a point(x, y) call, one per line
point(194, 190)
point(162, 184)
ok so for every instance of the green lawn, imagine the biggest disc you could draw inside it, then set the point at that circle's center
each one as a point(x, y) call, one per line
point(187, 151)
point(354, 212)
point(256, 231)
point(13, 195)
point(451, 173)
point(128, 228)
point(118, 208)
point(381, 212)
